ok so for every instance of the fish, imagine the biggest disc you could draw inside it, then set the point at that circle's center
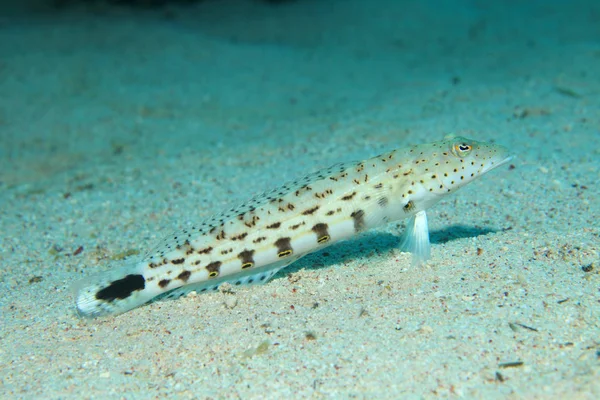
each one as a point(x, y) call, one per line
point(250, 243)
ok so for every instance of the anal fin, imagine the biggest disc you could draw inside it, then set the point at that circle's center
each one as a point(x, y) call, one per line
point(244, 278)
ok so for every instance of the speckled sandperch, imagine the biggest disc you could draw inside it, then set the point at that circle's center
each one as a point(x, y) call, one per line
point(250, 243)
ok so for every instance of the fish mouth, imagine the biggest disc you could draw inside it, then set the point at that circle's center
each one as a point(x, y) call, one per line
point(498, 164)
point(507, 159)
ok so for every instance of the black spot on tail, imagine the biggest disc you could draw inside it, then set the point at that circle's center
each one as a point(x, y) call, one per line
point(122, 288)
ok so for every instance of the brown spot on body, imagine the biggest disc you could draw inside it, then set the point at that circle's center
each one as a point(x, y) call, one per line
point(330, 212)
point(214, 268)
point(274, 226)
point(322, 232)
point(294, 227)
point(323, 194)
point(284, 247)
point(310, 210)
point(240, 236)
point(205, 251)
point(378, 186)
point(359, 220)
point(349, 196)
point(247, 259)
point(260, 239)
point(164, 283)
point(178, 261)
point(184, 276)
point(251, 224)
point(408, 206)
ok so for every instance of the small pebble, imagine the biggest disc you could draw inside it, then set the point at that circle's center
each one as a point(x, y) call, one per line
point(230, 302)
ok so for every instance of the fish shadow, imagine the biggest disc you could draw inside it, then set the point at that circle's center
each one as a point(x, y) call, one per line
point(455, 232)
point(365, 245)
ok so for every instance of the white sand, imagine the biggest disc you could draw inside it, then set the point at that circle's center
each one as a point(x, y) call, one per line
point(117, 127)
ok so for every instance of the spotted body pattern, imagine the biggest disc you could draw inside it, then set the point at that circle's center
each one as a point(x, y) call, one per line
point(250, 243)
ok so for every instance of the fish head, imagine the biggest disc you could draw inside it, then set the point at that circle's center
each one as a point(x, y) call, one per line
point(440, 168)
point(463, 160)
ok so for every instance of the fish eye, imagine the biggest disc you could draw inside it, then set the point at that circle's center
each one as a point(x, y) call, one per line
point(462, 147)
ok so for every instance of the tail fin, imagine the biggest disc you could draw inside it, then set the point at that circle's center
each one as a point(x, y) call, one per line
point(112, 292)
